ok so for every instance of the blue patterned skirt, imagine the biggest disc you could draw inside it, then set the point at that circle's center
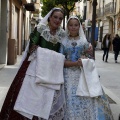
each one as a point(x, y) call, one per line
point(83, 108)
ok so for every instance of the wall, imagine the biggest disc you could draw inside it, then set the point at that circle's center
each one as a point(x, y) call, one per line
point(89, 10)
point(0, 34)
point(19, 30)
point(3, 32)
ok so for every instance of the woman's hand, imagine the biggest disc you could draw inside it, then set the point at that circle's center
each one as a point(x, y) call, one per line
point(90, 48)
point(89, 51)
point(79, 62)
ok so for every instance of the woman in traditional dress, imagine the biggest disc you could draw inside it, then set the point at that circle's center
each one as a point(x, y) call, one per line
point(74, 47)
point(48, 34)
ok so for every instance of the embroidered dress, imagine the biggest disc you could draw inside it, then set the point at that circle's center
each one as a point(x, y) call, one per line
point(80, 108)
point(42, 38)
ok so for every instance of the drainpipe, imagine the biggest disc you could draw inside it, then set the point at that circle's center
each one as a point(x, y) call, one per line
point(103, 8)
point(113, 5)
point(85, 9)
point(114, 15)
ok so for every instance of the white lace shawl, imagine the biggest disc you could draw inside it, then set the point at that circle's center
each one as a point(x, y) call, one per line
point(45, 33)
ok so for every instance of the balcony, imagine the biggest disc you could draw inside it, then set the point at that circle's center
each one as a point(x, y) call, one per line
point(110, 8)
point(24, 1)
point(33, 7)
point(37, 8)
point(99, 12)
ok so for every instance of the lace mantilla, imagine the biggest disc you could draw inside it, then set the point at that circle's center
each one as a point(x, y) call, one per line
point(45, 33)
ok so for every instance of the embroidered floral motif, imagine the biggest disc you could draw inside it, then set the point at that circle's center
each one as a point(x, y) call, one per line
point(45, 33)
point(74, 44)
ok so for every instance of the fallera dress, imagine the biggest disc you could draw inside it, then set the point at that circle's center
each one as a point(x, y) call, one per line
point(80, 108)
point(44, 39)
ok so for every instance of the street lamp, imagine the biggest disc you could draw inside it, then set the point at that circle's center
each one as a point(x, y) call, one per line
point(93, 26)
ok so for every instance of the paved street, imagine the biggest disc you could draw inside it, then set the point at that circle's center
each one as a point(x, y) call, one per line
point(109, 77)
point(6, 77)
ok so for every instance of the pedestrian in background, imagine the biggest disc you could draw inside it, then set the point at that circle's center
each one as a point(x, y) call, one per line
point(116, 46)
point(106, 43)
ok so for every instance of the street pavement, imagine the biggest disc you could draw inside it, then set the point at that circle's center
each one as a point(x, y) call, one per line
point(109, 77)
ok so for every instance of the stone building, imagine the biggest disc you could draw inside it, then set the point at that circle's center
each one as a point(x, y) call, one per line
point(107, 18)
point(15, 27)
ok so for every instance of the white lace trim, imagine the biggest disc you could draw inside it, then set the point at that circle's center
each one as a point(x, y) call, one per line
point(79, 41)
point(45, 33)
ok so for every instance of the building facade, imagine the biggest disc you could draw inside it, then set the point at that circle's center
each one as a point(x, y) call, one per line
point(15, 27)
point(107, 18)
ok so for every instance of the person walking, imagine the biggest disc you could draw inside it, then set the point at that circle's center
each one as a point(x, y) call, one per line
point(116, 46)
point(106, 43)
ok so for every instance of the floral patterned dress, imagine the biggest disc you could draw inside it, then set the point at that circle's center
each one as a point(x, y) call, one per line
point(80, 108)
